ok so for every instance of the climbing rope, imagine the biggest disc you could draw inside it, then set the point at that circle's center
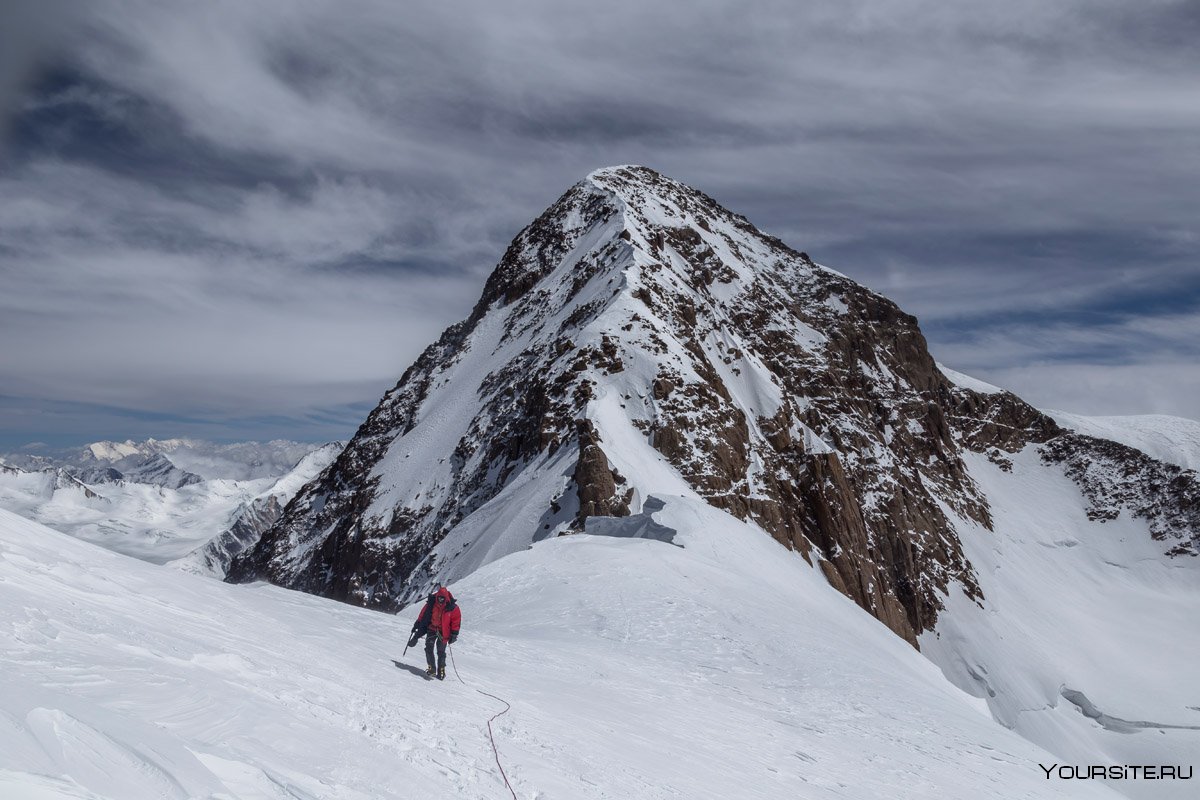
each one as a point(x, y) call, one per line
point(507, 708)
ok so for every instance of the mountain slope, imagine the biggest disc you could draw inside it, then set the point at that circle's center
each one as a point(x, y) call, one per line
point(1077, 611)
point(1171, 439)
point(126, 680)
point(637, 308)
point(256, 515)
point(241, 461)
point(637, 338)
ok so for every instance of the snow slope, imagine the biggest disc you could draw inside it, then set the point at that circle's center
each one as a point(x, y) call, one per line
point(1073, 605)
point(634, 669)
point(967, 382)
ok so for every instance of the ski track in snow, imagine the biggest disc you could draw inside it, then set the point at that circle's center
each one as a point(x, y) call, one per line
point(634, 670)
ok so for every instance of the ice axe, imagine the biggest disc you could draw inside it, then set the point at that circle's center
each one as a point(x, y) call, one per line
point(412, 640)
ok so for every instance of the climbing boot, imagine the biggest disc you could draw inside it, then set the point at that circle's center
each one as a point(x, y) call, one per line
point(441, 675)
point(430, 670)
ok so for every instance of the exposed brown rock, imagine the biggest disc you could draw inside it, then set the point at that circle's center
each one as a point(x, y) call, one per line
point(1001, 420)
point(839, 531)
point(596, 482)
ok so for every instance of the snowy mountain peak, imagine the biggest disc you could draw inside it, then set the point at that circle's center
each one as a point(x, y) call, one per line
point(636, 337)
point(621, 224)
point(115, 451)
point(112, 451)
point(638, 340)
point(650, 199)
point(599, 175)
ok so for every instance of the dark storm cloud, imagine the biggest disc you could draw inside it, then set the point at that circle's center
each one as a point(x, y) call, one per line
point(78, 118)
point(232, 209)
point(30, 32)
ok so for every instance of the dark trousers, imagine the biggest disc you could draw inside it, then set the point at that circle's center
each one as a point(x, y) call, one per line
point(430, 639)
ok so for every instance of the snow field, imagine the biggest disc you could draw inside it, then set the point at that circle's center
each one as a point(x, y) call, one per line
point(635, 670)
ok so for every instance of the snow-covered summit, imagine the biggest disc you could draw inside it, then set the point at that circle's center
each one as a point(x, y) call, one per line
point(675, 347)
point(112, 451)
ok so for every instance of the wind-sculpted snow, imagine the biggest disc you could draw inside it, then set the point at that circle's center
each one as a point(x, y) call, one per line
point(1089, 710)
point(634, 669)
point(637, 526)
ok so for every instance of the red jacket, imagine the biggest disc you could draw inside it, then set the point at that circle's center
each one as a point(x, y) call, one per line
point(440, 614)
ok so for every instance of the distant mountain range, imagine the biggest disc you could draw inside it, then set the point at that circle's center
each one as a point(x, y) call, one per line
point(186, 501)
point(200, 459)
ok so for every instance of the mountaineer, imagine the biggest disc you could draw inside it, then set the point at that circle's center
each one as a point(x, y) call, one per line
point(438, 622)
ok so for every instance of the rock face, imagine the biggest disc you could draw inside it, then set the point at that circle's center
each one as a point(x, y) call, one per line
point(1116, 479)
point(638, 338)
point(155, 469)
point(249, 522)
point(596, 484)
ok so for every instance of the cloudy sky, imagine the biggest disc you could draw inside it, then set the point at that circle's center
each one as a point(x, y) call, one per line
point(242, 219)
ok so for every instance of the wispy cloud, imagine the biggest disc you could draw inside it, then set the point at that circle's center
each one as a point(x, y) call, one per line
point(1123, 364)
point(1106, 389)
point(241, 207)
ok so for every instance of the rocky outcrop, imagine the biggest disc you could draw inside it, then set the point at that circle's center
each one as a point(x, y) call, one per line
point(598, 486)
point(1117, 479)
point(1113, 478)
point(249, 523)
point(839, 530)
point(999, 421)
point(63, 479)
